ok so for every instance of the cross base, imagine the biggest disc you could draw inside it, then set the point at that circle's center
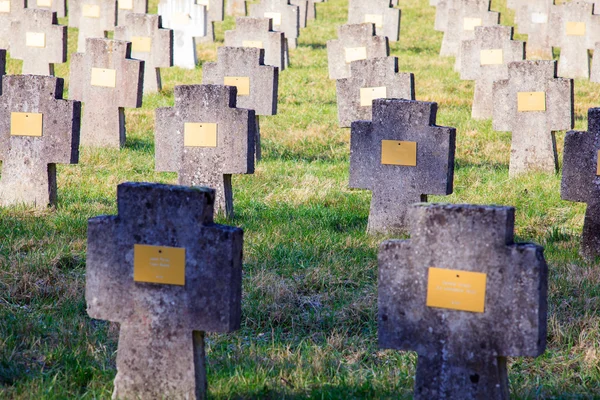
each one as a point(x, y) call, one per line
point(220, 182)
point(590, 239)
point(24, 182)
point(532, 150)
point(100, 127)
point(388, 212)
point(573, 63)
point(184, 50)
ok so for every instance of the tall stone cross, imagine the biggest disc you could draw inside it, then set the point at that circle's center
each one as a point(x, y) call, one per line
point(167, 274)
point(236, 8)
point(378, 12)
point(106, 79)
point(355, 42)
point(149, 42)
point(401, 156)
point(286, 18)
point(188, 21)
point(10, 10)
point(258, 32)
point(215, 11)
point(127, 7)
point(38, 129)
point(533, 103)
point(205, 139)
point(532, 18)
point(373, 78)
point(464, 296)
point(95, 19)
point(58, 6)
point(39, 41)
point(485, 59)
point(581, 179)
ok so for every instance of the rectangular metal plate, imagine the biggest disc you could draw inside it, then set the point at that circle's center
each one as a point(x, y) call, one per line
point(104, 77)
point(539, 18)
point(456, 290)
point(159, 264)
point(368, 94)
point(199, 134)
point(396, 152)
point(355, 53)
point(90, 10)
point(575, 28)
point(44, 3)
point(26, 124)
point(531, 101)
point(4, 6)
point(491, 57)
point(469, 24)
point(241, 82)
point(376, 19)
point(141, 44)
point(125, 4)
point(181, 19)
point(205, 3)
point(35, 39)
point(598, 164)
point(253, 43)
point(276, 17)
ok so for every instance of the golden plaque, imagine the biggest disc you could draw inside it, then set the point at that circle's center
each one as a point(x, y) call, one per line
point(159, 264)
point(26, 124)
point(456, 290)
point(199, 134)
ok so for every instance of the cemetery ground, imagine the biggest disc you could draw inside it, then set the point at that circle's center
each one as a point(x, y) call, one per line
point(309, 326)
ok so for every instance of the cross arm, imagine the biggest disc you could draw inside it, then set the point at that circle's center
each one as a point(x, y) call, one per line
point(168, 140)
point(579, 180)
point(504, 107)
point(77, 77)
point(560, 115)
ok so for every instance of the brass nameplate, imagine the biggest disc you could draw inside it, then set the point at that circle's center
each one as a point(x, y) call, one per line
point(199, 134)
point(469, 24)
point(376, 19)
point(35, 39)
point(205, 3)
point(26, 124)
point(159, 264)
point(598, 164)
point(125, 4)
point(141, 44)
point(575, 28)
point(253, 43)
point(491, 57)
point(241, 82)
point(456, 290)
point(104, 77)
point(368, 94)
point(396, 152)
point(539, 18)
point(44, 3)
point(180, 18)
point(531, 101)
point(355, 53)
point(276, 17)
point(90, 10)
point(4, 6)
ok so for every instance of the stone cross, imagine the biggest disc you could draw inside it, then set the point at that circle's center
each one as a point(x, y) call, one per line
point(188, 21)
point(167, 274)
point(215, 11)
point(205, 139)
point(38, 129)
point(581, 179)
point(96, 18)
point(58, 6)
point(10, 10)
point(236, 8)
point(39, 41)
point(303, 11)
point(533, 103)
point(126, 7)
point(355, 42)
point(106, 79)
point(532, 19)
point(286, 18)
point(149, 42)
point(485, 59)
point(401, 156)
point(378, 12)
point(464, 296)
point(370, 79)
point(258, 32)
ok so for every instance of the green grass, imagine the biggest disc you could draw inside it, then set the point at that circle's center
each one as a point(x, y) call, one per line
point(309, 327)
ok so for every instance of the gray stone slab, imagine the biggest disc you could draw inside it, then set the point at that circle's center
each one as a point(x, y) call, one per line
point(95, 19)
point(379, 12)
point(485, 59)
point(303, 11)
point(161, 351)
point(286, 18)
point(311, 11)
point(58, 6)
point(546, 106)
point(441, 14)
point(38, 129)
point(215, 11)
point(462, 354)
point(236, 8)
point(396, 184)
point(369, 79)
point(354, 42)
point(258, 32)
point(532, 18)
point(106, 79)
point(9, 12)
point(126, 7)
point(207, 108)
point(595, 68)
point(151, 43)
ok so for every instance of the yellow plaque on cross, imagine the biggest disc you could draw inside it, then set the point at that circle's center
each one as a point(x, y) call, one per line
point(376, 19)
point(355, 53)
point(4, 6)
point(181, 19)
point(199, 134)
point(26, 124)
point(104, 77)
point(491, 57)
point(469, 24)
point(35, 39)
point(125, 4)
point(368, 94)
point(575, 28)
point(531, 101)
point(205, 3)
point(253, 43)
point(395, 152)
point(44, 3)
point(241, 82)
point(276, 17)
point(456, 290)
point(141, 44)
point(90, 10)
point(598, 164)
point(159, 264)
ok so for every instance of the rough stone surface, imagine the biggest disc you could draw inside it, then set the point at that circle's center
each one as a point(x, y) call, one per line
point(103, 122)
point(29, 162)
point(160, 54)
point(161, 341)
point(354, 38)
point(127, 7)
point(58, 6)
point(215, 11)
point(311, 11)
point(462, 354)
point(581, 181)
point(533, 143)
point(91, 26)
point(371, 73)
point(6, 18)
point(388, 23)
point(38, 57)
point(303, 11)
point(289, 15)
point(441, 14)
point(236, 8)
point(474, 63)
point(395, 187)
point(207, 166)
point(532, 19)
point(595, 72)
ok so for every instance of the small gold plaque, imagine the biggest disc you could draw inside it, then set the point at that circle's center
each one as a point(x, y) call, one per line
point(141, 44)
point(355, 53)
point(368, 94)
point(531, 101)
point(181, 19)
point(90, 10)
point(104, 77)
point(276, 17)
point(598, 165)
point(26, 124)
point(253, 43)
point(395, 152)
point(159, 264)
point(241, 82)
point(469, 24)
point(575, 28)
point(125, 4)
point(456, 290)
point(35, 39)
point(4, 6)
point(44, 3)
point(199, 134)
point(492, 57)
point(205, 3)
point(376, 19)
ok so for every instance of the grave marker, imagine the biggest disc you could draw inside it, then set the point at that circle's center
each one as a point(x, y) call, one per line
point(10, 11)
point(127, 7)
point(532, 19)
point(58, 6)
point(303, 11)
point(236, 8)
point(311, 11)
point(286, 18)
point(95, 18)
point(378, 12)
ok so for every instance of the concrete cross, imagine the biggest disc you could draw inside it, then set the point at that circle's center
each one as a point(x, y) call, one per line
point(215, 11)
point(355, 42)
point(126, 7)
point(303, 11)
point(532, 19)
point(95, 19)
point(39, 41)
point(38, 129)
point(370, 79)
point(485, 59)
point(533, 103)
point(106, 79)
point(236, 8)
point(188, 21)
point(167, 274)
point(401, 156)
point(286, 18)
point(205, 139)
point(58, 6)
point(464, 296)
point(10, 10)
point(581, 179)
point(149, 42)
point(378, 12)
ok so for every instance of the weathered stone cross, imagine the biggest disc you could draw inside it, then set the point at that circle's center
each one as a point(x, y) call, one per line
point(10, 10)
point(532, 19)
point(286, 18)
point(378, 12)
point(95, 19)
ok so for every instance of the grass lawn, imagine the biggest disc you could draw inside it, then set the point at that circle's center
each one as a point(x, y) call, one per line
point(309, 325)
